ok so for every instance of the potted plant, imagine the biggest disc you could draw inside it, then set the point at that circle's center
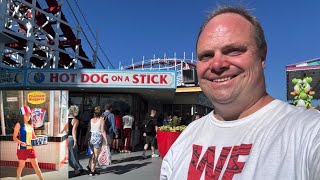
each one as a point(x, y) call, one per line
point(167, 134)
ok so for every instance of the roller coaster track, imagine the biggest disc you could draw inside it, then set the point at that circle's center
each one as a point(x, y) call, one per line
point(44, 38)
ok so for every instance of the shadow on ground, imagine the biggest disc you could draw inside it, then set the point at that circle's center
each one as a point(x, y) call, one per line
point(117, 169)
point(122, 169)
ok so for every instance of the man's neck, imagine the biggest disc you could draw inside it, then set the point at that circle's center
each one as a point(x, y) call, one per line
point(235, 111)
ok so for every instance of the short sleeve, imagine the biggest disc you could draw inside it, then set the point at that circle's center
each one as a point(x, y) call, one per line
point(166, 169)
point(314, 158)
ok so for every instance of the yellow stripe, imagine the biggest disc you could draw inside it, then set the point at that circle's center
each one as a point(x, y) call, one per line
point(28, 135)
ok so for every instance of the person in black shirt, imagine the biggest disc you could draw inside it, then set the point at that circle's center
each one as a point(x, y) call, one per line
point(150, 129)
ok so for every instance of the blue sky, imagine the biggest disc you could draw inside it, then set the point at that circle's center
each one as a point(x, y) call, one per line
point(132, 29)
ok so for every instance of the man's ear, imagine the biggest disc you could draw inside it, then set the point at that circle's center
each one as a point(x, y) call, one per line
point(263, 56)
point(263, 64)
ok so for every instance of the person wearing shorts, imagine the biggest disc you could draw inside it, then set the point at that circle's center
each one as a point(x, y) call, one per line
point(23, 134)
point(24, 154)
point(98, 134)
point(116, 143)
point(150, 137)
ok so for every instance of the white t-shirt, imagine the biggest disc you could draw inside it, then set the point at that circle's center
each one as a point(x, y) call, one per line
point(279, 141)
point(127, 121)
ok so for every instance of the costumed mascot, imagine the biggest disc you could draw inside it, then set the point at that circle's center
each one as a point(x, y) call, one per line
point(302, 92)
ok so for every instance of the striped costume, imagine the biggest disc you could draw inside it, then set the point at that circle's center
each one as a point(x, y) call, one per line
point(25, 135)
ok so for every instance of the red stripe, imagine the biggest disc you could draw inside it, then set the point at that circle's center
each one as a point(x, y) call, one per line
point(50, 166)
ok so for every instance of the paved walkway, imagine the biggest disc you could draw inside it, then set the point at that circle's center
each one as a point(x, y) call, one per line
point(9, 173)
point(124, 166)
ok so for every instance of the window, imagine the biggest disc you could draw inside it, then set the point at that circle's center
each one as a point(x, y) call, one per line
point(12, 101)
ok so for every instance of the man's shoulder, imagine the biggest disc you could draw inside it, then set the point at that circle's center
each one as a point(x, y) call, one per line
point(107, 113)
point(127, 116)
point(111, 115)
point(300, 120)
point(309, 117)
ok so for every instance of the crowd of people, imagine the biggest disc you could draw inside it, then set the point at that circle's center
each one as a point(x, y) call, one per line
point(119, 130)
point(104, 128)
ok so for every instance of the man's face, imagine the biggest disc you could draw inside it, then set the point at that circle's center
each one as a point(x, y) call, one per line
point(229, 66)
point(153, 112)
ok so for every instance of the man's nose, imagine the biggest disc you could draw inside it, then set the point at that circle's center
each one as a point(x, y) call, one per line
point(219, 63)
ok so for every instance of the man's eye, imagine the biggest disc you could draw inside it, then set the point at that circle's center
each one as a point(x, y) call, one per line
point(205, 57)
point(235, 51)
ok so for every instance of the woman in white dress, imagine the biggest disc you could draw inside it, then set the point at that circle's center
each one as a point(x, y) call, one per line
point(97, 135)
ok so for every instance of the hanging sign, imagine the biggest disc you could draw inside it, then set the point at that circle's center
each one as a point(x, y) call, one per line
point(101, 79)
point(36, 97)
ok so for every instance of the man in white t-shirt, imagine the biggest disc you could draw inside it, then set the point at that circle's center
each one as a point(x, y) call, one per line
point(127, 129)
point(249, 135)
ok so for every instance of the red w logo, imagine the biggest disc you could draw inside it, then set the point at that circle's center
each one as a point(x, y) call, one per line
point(206, 163)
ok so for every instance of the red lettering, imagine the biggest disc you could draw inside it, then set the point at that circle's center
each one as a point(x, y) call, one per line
point(206, 163)
point(148, 79)
point(195, 169)
point(114, 78)
point(135, 79)
point(127, 79)
point(142, 77)
point(163, 79)
point(222, 160)
point(85, 77)
point(234, 166)
point(153, 81)
point(94, 78)
point(104, 78)
point(54, 77)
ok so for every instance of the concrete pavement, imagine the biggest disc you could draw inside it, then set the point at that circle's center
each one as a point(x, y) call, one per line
point(124, 166)
point(9, 173)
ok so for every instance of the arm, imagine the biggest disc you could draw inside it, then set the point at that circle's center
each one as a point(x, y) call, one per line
point(142, 130)
point(314, 158)
point(65, 127)
point(122, 122)
point(103, 132)
point(74, 131)
point(15, 135)
point(155, 125)
point(166, 168)
point(113, 124)
point(33, 133)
